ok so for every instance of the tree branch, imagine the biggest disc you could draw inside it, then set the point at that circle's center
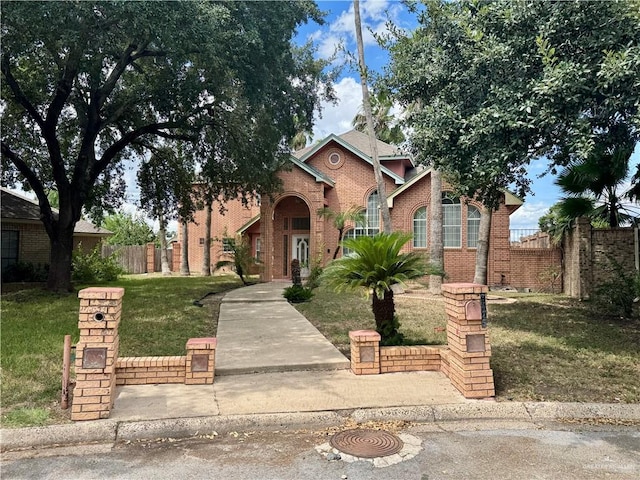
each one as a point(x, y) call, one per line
point(34, 182)
point(19, 94)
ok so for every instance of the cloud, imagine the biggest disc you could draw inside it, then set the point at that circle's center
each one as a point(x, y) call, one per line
point(526, 217)
point(337, 118)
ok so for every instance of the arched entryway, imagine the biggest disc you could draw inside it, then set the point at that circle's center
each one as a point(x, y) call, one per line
point(291, 235)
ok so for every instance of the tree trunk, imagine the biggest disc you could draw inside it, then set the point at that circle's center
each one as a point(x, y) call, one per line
point(366, 105)
point(164, 257)
point(482, 251)
point(384, 310)
point(184, 252)
point(337, 250)
point(436, 250)
point(206, 252)
point(59, 278)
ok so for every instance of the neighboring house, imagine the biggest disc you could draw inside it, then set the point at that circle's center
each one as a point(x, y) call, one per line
point(338, 173)
point(24, 238)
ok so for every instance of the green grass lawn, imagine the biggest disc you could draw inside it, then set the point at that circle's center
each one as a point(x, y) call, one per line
point(544, 347)
point(158, 318)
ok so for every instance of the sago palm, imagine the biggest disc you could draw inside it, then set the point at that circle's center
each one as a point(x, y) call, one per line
point(374, 266)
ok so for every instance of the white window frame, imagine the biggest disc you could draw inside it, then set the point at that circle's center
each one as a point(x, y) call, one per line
point(473, 226)
point(226, 245)
point(371, 226)
point(420, 228)
point(451, 221)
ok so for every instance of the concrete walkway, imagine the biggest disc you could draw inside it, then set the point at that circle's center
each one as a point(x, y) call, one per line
point(270, 359)
point(259, 331)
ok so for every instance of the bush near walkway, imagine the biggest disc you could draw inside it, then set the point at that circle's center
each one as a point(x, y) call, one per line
point(158, 318)
point(544, 347)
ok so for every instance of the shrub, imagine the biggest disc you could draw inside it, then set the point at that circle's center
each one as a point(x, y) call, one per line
point(92, 267)
point(297, 294)
point(313, 280)
point(25, 272)
point(618, 295)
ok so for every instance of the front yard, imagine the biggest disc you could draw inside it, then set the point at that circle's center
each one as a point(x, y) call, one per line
point(544, 347)
point(158, 317)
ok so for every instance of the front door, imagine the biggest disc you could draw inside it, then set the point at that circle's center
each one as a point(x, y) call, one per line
point(300, 249)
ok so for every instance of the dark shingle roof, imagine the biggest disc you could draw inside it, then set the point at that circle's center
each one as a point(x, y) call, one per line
point(17, 207)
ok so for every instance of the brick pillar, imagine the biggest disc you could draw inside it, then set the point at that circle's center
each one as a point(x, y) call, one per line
point(176, 257)
point(96, 352)
point(201, 361)
point(151, 257)
point(468, 341)
point(365, 352)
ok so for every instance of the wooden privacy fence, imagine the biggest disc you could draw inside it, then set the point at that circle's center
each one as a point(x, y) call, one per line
point(133, 258)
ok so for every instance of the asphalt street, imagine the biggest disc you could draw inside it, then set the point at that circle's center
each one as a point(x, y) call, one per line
point(455, 450)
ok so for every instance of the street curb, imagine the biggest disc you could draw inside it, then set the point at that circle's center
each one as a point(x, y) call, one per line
point(113, 432)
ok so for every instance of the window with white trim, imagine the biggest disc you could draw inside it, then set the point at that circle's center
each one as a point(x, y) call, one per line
point(451, 221)
point(227, 245)
point(420, 228)
point(258, 248)
point(371, 226)
point(473, 226)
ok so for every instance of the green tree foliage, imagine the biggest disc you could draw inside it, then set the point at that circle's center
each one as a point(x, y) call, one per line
point(375, 265)
point(128, 229)
point(384, 124)
point(89, 84)
point(491, 86)
point(352, 215)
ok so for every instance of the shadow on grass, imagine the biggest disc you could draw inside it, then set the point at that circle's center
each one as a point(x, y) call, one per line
point(569, 322)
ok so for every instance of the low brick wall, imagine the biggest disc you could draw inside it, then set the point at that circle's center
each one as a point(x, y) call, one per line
point(150, 370)
point(197, 367)
point(410, 359)
point(465, 359)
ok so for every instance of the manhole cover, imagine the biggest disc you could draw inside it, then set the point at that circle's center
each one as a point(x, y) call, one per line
point(366, 443)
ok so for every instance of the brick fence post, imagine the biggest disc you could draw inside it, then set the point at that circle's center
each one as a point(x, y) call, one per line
point(151, 257)
point(176, 258)
point(365, 352)
point(468, 340)
point(96, 352)
point(201, 361)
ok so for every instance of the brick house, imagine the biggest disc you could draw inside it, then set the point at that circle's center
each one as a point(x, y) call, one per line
point(24, 238)
point(338, 173)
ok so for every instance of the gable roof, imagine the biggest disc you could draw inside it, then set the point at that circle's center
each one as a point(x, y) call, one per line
point(314, 172)
point(16, 207)
point(358, 144)
point(248, 225)
point(408, 184)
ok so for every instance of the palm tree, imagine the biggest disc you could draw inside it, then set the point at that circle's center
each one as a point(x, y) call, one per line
point(366, 105)
point(385, 130)
point(341, 219)
point(592, 185)
point(240, 250)
point(375, 265)
point(436, 245)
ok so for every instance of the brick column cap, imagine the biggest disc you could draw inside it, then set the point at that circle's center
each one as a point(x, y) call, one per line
point(364, 335)
point(101, 293)
point(204, 342)
point(461, 288)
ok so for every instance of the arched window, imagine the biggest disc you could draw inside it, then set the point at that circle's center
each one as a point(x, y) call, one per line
point(451, 221)
point(473, 226)
point(420, 228)
point(372, 224)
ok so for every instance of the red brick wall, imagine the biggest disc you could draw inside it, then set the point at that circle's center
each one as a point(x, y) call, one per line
point(537, 268)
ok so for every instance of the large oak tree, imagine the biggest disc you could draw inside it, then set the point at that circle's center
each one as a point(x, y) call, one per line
point(496, 85)
point(87, 85)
